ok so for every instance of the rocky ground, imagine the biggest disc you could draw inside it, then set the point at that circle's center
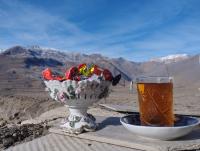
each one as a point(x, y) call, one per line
point(14, 110)
point(12, 134)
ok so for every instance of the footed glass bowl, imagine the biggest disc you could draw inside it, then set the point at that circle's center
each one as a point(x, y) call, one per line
point(78, 96)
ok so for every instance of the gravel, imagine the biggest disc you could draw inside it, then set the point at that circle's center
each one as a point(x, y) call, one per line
point(12, 134)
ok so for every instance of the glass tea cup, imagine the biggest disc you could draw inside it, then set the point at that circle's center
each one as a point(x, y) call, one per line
point(155, 96)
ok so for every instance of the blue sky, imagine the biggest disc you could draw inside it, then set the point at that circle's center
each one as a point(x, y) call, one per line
point(137, 30)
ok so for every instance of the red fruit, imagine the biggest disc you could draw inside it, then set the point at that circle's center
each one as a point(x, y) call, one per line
point(82, 68)
point(47, 74)
point(59, 78)
point(71, 73)
point(97, 70)
point(77, 78)
point(81, 65)
point(107, 75)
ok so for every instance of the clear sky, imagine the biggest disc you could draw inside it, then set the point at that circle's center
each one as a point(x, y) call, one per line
point(137, 30)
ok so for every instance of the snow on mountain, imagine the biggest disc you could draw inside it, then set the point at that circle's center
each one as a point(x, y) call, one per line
point(35, 56)
point(63, 56)
point(1, 50)
point(44, 52)
point(39, 58)
point(171, 58)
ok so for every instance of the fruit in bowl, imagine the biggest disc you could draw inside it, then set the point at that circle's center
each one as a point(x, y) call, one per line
point(78, 89)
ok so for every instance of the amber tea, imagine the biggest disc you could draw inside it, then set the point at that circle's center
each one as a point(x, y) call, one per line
point(155, 95)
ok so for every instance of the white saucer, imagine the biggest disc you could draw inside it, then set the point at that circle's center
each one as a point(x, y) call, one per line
point(183, 125)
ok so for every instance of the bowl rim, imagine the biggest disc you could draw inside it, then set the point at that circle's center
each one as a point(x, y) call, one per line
point(197, 122)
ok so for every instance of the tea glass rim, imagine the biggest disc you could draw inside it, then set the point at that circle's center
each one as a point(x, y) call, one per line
point(154, 79)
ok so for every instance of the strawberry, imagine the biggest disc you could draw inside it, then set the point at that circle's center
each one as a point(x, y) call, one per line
point(48, 75)
point(96, 70)
point(71, 73)
point(107, 75)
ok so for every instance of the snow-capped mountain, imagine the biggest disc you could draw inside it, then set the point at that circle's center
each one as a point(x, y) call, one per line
point(49, 57)
point(171, 58)
point(1, 50)
point(40, 52)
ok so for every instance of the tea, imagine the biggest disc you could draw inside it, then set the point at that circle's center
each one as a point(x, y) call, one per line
point(156, 103)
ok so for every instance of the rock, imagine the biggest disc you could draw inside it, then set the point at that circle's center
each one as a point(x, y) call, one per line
point(16, 115)
point(14, 135)
point(37, 134)
point(3, 123)
point(7, 142)
point(10, 134)
point(10, 118)
point(19, 122)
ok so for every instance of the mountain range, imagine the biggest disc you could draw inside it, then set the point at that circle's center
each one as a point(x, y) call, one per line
point(23, 65)
point(171, 58)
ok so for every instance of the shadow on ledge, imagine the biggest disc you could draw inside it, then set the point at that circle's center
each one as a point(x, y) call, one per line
point(114, 121)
